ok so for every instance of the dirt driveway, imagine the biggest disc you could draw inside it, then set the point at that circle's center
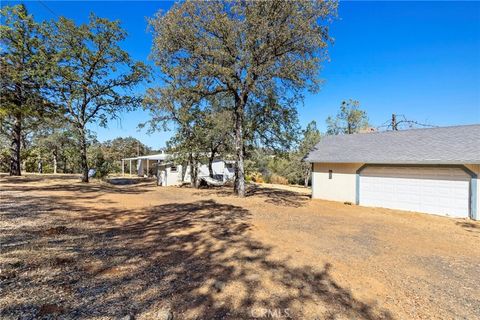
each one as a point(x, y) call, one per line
point(102, 251)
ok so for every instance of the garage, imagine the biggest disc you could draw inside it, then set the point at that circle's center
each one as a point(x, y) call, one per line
point(436, 190)
point(433, 170)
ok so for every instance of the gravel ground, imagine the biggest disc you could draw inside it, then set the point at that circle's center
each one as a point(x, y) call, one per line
point(108, 251)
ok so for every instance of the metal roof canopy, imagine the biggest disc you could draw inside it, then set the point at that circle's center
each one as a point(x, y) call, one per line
point(160, 156)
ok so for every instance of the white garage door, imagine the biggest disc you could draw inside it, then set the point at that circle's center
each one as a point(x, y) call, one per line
point(444, 191)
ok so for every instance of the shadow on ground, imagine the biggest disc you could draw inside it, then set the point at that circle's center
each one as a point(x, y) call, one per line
point(278, 197)
point(469, 226)
point(77, 189)
point(196, 259)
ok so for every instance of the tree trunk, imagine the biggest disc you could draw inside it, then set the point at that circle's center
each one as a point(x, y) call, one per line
point(193, 171)
point(64, 164)
point(15, 147)
point(83, 156)
point(239, 170)
point(210, 167)
point(213, 151)
point(307, 176)
point(55, 161)
point(158, 172)
point(194, 174)
point(235, 184)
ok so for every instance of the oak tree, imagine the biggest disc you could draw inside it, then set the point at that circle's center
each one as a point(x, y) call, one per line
point(244, 49)
point(95, 78)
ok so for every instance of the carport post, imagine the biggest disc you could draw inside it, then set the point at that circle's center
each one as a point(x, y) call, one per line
point(158, 172)
point(123, 167)
point(130, 167)
point(147, 167)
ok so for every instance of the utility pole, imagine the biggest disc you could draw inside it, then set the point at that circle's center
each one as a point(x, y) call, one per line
point(394, 122)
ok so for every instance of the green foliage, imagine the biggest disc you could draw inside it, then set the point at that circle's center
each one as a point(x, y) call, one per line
point(287, 167)
point(26, 64)
point(350, 119)
point(311, 136)
point(30, 159)
point(4, 154)
point(115, 150)
point(98, 162)
point(270, 124)
point(56, 145)
point(94, 78)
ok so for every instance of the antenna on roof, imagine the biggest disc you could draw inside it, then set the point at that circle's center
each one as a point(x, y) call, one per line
point(395, 124)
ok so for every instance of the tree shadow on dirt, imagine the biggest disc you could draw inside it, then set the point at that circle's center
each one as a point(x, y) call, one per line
point(469, 226)
point(122, 181)
point(278, 197)
point(197, 259)
point(90, 190)
point(284, 198)
point(29, 177)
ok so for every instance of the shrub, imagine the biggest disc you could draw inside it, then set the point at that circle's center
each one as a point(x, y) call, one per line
point(255, 177)
point(278, 179)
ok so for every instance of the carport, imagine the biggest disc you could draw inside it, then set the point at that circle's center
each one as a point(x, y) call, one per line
point(143, 163)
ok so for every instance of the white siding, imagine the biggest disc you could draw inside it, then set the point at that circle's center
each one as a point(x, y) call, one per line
point(436, 190)
point(173, 177)
point(218, 167)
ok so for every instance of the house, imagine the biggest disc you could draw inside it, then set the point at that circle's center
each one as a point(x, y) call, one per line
point(170, 173)
point(433, 170)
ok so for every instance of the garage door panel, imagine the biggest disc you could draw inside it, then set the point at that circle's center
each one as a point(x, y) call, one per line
point(424, 189)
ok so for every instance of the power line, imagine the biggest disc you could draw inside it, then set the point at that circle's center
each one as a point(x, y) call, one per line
point(48, 8)
point(399, 121)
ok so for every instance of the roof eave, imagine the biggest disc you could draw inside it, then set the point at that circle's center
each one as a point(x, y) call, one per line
point(433, 161)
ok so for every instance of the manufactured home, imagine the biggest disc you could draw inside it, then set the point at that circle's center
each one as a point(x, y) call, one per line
point(434, 170)
point(171, 173)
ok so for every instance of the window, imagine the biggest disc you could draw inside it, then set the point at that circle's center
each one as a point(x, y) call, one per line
point(173, 169)
point(330, 173)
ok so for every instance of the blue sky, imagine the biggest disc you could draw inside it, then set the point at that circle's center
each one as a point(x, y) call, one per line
point(419, 59)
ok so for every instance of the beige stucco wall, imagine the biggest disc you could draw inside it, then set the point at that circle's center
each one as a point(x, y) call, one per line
point(342, 186)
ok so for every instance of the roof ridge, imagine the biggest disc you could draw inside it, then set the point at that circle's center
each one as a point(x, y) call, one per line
point(417, 129)
point(453, 143)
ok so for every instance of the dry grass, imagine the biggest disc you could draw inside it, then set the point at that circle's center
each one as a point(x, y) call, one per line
point(102, 251)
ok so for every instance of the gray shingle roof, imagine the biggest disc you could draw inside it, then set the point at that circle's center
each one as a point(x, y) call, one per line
point(445, 145)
